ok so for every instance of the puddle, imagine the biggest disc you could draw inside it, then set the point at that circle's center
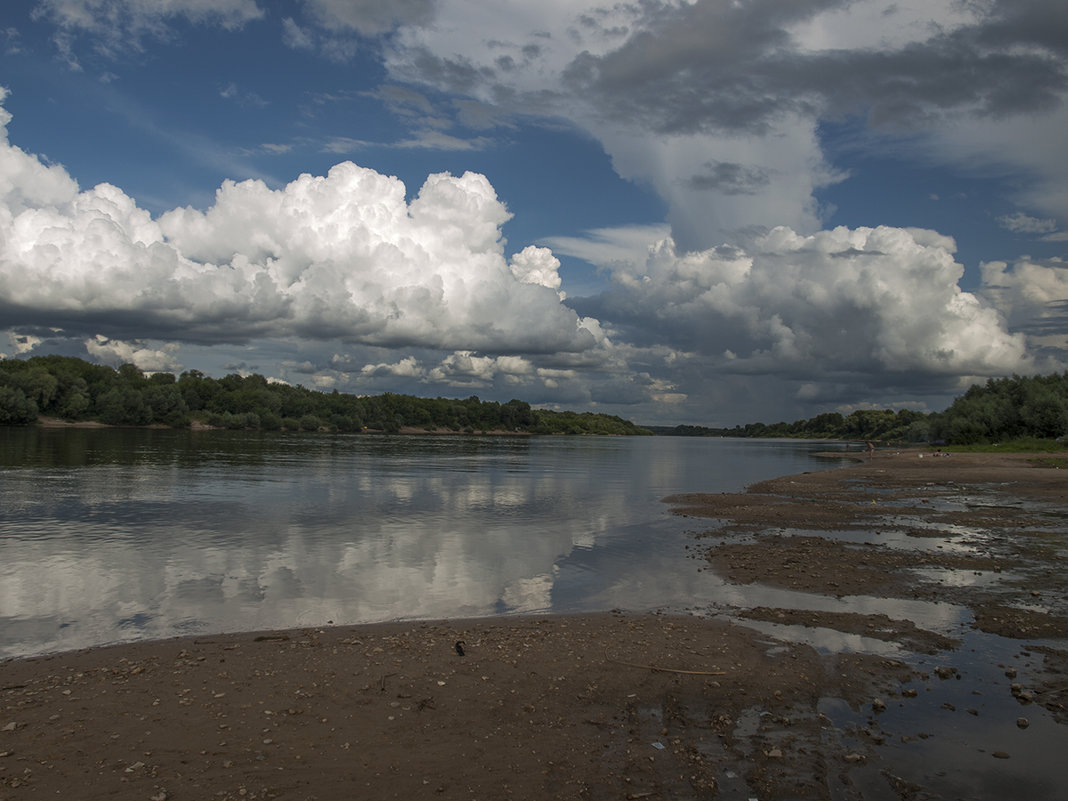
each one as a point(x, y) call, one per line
point(963, 736)
point(824, 640)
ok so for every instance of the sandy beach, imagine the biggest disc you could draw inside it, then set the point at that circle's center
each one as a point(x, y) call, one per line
point(620, 705)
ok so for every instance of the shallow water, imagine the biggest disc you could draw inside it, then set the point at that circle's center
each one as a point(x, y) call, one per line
point(113, 535)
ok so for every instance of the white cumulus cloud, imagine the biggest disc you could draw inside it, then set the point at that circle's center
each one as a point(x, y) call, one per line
point(335, 256)
point(116, 352)
point(1033, 295)
point(534, 265)
point(863, 301)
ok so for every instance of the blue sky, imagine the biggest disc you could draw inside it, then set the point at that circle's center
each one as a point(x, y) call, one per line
point(706, 212)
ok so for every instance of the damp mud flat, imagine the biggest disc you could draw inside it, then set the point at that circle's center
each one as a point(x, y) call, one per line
point(605, 706)
point(989, 532)
point(899, 669)
point(956, 566)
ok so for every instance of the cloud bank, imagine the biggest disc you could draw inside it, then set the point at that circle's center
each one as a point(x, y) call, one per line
point(338, 256)
point(741, 301)
point(345, 260)
point(718, 104)
point(869, 300)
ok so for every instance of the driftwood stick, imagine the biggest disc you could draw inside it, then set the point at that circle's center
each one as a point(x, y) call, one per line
point(607, 658)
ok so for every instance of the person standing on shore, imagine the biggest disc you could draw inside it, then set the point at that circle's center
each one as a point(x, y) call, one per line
point(871, 448)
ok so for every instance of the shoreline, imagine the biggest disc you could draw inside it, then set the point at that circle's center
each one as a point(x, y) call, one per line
point(604, 705)
point(718, 702)
point(197, 425)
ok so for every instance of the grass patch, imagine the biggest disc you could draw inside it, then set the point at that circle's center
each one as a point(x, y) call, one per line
point(1026, 445)
point(1053, 462)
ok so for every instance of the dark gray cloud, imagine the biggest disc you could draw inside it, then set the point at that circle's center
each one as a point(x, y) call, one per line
point(730, 178)
point(720, 66)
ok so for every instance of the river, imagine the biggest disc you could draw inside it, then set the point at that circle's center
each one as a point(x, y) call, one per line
point(111, 535)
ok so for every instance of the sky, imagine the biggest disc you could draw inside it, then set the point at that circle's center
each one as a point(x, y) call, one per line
point(705, 212)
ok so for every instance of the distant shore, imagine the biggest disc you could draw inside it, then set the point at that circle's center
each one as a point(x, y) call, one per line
point(196, 425)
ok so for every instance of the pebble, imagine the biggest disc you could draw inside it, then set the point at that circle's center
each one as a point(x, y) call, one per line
point(1023, 723)
point(1000, 755)
point(878, 705)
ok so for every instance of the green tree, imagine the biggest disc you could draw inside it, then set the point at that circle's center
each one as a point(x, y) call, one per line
point(15, 408)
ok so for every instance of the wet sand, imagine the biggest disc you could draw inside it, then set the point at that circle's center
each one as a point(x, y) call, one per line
point(1000, 518)
point(623, 706)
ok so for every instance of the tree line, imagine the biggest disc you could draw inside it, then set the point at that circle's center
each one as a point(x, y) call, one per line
point(864, 424)
point(1001, 410)
point(72, 389)
point(75, 390)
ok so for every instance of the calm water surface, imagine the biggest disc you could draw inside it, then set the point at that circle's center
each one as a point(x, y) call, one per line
point(111, 535)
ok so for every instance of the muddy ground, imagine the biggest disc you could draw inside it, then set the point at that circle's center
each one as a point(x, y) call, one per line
point(1005, 515)
point(987, 532)
point(622, 706)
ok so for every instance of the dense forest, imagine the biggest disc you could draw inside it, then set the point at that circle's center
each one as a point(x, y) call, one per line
point(71, 389)
point(1001, 410)
point(1007, 409)
point(75, 390)
point(863, 424)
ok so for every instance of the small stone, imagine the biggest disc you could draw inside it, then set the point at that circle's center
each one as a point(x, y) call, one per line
point(878, 705)
point(774, 753)
point(854, 757)
point(1000, 755)
point(1023, 723)
point(10, 726)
